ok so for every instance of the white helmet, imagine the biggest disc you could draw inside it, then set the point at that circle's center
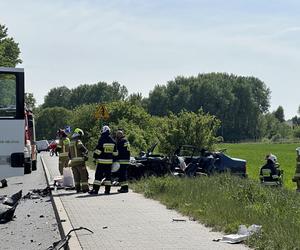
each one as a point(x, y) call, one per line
point(272, 158)
point(115, 167)
point(105, 129)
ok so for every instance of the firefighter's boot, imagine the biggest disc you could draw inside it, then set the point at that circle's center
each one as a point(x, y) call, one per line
point(107, 190)
point(95, 189)
point(78, 189)
point(123, 189)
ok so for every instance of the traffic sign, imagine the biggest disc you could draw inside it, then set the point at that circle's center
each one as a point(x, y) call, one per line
point(102, 112)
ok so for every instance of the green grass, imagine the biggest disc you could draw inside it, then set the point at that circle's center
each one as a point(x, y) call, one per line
point(224, 202)
point(255, 154)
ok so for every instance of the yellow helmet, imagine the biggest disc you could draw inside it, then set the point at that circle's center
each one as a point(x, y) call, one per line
point(79, 131)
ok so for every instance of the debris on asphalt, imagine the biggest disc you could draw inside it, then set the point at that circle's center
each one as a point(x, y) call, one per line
point(42, 216)
point(11, 201)
point(37, 193)
point(243, 234)
point(177, 220)
point(3, 183)
point(63, 243)
point(8, 207)
point(104, 227)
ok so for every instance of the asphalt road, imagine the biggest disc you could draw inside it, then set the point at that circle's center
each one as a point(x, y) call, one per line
point(35, 225)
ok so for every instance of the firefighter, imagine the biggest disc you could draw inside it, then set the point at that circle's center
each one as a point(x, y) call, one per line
point(296, 177)
point(104, 154)
point(269, 172)
point(63, 150)
point(78, 155)
point(123, 157)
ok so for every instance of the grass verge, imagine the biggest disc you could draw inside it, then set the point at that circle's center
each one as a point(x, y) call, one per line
point(224, 202)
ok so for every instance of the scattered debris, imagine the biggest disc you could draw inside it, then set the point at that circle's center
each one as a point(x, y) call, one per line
point(11, 201)
point(42, 216)
point(38, 193)
point(3, 183)
point(8, 207)
point(182, 220)
point(63, 243)
point(242, 234)
point(104, 227)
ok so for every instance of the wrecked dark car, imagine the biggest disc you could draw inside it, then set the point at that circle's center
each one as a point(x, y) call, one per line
point(190, 161)
point(148, 164)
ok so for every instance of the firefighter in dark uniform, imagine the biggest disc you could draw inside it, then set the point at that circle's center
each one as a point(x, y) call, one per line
point(104, 154)
point(78, 155)
point(269, 172)
point(123, 157)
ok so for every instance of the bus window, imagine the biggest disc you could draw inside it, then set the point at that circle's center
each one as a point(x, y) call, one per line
point(8, 90)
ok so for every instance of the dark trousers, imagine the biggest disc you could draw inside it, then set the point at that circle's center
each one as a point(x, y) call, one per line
point(123, 174)
point(102, 171)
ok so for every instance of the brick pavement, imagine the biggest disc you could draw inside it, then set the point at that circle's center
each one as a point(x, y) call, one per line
point(130, 221)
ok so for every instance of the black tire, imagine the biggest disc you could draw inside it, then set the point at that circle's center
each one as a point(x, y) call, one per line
point(27, 167)
point(33, 167)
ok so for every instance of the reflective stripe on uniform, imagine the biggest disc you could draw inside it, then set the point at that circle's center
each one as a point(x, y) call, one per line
point(76, 159)
point(270, 183)
point(123, 183)
point(96, 182)
point(107, 183)
point(64, 154)
point(84, 183)
point(266, 172)
point(104, 161)
point(108, 147)
point(275, 176)
point(115, 153)
point(97, 152)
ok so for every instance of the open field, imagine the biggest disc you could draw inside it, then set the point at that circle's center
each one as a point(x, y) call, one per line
point(255, 154)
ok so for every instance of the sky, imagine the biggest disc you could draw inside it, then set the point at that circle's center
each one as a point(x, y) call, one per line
point(143, 43)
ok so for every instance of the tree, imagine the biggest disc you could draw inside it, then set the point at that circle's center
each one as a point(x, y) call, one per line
point(197, 129)
point(49, 120)
point(237, 101)
point(279, 114)
point(9, 49)
point(100, 92)
point(57, 97)
point(30, 101)
point(296, 120)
